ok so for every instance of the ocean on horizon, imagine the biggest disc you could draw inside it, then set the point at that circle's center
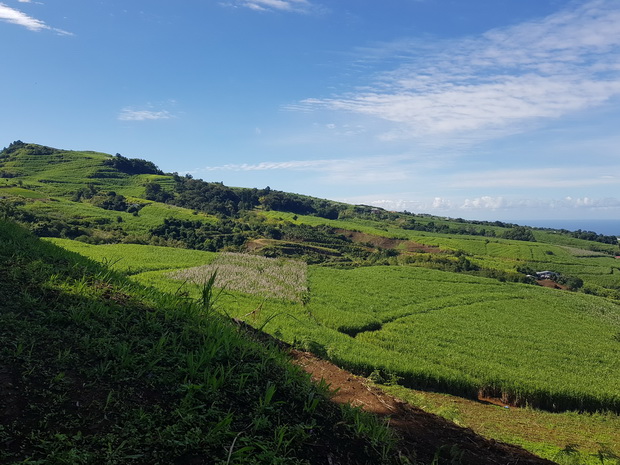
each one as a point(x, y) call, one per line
point(606, 227)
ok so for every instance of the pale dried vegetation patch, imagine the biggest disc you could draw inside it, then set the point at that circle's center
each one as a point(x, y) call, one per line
point(269, 277)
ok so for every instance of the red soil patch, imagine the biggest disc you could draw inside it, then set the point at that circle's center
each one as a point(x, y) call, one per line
point(551, 284)
point(258, 244)
point(420, 432)
point(386, 242)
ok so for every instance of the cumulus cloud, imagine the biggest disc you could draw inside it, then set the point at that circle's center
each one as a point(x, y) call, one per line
point(497, 82)
point(495, 205)
point(295, 6)
point(132, 114)
point(538, 178)
point(14, 16)
point(566, 203)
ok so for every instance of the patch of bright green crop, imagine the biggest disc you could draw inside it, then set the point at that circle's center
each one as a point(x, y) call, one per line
point(136, 258)
point(20, 192)
point(531, 345)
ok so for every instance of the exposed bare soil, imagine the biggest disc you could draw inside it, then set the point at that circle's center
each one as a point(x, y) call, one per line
point(420, 431)
point(551, 284)
point(386, 242)
point(422, 434)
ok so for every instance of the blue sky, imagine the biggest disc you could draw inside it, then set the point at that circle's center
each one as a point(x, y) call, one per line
point(481, 109)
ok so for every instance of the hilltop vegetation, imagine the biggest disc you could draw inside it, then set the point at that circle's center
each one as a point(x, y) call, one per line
point(426, 302)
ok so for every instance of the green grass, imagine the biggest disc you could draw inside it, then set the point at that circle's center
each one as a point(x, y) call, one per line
point(450, 331)
point(447, 331)
point(543, 433)
point(97, 369)
point(589, 261)
point(542, 347)
point(19, 192)
point(435, 329)
point(63, 172)
point(136, 258)
point(150, 216)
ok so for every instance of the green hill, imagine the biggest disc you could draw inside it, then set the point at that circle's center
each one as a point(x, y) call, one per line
point(428, 302)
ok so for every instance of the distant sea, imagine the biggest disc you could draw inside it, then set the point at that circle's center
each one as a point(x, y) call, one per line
point(607, 227)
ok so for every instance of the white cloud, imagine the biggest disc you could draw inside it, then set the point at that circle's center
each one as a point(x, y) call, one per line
point(349, 171)
point(13, 16)
point(566, 203)
point(495, 205)
point(264, 166)
point(496, 83)
point(538, 178)
point(131, 114)
point(296, 6)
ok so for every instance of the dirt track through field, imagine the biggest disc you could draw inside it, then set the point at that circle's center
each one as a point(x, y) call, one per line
point(422, 434)
point(420, 431)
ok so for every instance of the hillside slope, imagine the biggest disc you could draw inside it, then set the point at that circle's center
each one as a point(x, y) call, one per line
point(433, 303)
point(94, 369)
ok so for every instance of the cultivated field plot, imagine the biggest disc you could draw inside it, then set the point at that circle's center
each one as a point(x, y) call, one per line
point(136, 258)
point(437, 330)
point(530, 345)
point(267, 277)
point(152, 214)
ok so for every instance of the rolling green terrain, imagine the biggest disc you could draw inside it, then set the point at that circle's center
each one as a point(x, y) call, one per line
point(95, 369)
point(429, 303)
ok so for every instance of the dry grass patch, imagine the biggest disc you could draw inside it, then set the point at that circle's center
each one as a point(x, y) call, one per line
point(268, 277)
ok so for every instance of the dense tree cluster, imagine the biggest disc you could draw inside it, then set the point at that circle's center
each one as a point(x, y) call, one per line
point(132, 165)
point(109, 200)
point(12, 148)
point(209, 197)
point(201, 236)
point(154, 191)
point(218, 199)
point(30, 149)
point(592, 236)
point(519, 233)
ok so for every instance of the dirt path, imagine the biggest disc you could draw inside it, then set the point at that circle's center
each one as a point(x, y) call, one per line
point(420, 431)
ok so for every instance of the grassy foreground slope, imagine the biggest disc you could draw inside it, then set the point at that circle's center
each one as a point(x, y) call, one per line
point(439, 330)
point(96, 369)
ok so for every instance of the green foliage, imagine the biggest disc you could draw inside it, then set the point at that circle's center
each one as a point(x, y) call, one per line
point(519, 233)
point(154, 191)
point(137, 258)
point(450, 330)
point(132, 165)
point(97, 369)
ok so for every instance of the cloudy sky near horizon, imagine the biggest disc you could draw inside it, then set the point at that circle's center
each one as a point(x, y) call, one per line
point(486, 109)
